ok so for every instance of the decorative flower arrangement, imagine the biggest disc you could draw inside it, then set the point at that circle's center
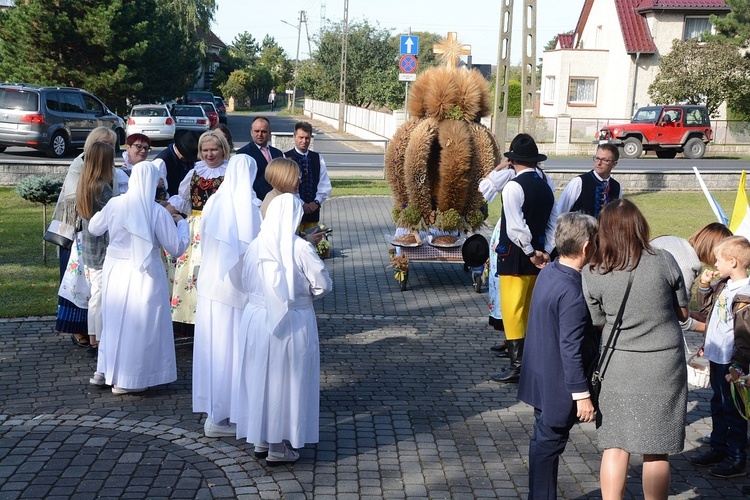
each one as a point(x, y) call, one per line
point(400, 263)
point(323, 248)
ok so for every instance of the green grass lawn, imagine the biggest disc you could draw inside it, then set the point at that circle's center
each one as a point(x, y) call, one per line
point(28, 287)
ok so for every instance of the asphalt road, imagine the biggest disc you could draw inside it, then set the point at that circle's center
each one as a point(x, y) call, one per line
point(358, 155)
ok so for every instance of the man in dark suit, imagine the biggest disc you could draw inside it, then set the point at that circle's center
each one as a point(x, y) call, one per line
point(262, 153)
point(179, 158)
point(561, 348)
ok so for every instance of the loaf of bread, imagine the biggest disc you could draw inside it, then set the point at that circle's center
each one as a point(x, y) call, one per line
point(405, 239)
point(444, 241)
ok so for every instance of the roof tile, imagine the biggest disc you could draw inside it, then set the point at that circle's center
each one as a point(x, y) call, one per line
point(635, 32)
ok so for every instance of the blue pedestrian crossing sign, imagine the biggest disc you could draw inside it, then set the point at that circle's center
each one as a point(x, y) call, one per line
point(409, 45)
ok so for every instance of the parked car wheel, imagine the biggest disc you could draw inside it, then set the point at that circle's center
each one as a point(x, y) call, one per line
point(666, 153)
point(58, 145)
point(632, 148)
point(694, 149)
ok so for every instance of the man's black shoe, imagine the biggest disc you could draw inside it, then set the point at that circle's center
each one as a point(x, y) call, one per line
point(728, 469)
point(511, 374)
point(711, 457)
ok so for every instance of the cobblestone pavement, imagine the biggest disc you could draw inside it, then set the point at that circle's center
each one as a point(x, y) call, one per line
point(407, 408)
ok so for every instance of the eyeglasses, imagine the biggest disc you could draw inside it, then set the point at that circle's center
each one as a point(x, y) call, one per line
point(141, 147)
point(603, 160)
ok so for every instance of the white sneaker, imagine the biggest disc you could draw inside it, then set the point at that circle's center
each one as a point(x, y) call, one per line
point(213, 430)
point(97, 379)
point(120, 391)
point(288, 457)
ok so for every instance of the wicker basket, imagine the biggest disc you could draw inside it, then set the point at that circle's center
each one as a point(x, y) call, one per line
point(698, 372)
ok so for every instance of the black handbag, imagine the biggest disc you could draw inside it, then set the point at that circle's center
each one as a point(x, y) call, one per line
point(59, 234)
point(598, 375)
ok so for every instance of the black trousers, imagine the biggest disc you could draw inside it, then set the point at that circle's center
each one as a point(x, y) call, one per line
point(546, 445)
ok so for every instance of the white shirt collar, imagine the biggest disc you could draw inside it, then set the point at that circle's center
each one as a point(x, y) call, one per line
point(733, 285)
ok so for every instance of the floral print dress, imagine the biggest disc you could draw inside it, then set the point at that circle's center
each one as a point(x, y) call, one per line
point(200, 185)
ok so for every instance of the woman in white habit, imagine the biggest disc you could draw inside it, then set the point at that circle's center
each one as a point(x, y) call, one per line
point(137, 346)
point(279, 382)
point(231, 220)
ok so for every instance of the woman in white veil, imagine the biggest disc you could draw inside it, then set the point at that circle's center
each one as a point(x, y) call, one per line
point(279, 382)
point(231, 220)
point(137, 346)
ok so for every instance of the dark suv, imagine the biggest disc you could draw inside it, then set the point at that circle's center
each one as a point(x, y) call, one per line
point(665, 130)
point(52, 119)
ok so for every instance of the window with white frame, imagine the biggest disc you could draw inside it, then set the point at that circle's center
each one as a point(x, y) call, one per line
point(696, 26)
point(549, 90)
point(582, 91)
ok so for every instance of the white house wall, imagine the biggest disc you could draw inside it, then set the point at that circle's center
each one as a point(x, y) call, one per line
point(602, 54)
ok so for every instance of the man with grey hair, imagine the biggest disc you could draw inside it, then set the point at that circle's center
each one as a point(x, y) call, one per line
point(561, 347)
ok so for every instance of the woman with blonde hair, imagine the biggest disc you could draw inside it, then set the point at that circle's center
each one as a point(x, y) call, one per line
point(95, 189)
point(196, 188)
point(73, 295)
point(283, 176)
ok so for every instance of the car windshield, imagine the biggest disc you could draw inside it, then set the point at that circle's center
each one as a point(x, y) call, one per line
point(149, 112)
point(647, 115)
point(208, 108)
point(19, 100)
point(187, 111)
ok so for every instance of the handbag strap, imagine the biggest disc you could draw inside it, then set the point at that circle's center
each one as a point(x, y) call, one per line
point(615, 331)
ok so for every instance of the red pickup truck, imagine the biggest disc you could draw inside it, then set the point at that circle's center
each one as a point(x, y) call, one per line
point(665, 130)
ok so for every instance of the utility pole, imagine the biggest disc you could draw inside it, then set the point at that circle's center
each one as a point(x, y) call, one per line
point(342, 82)
point(528, 68)
point(502, 73)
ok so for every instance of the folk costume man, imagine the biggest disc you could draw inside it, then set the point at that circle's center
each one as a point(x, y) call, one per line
point(259, 149)
point(315, 186)
point(526, 238)
point(178, 158)
point(589, 192)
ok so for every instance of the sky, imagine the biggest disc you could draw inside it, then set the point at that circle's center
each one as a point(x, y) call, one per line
point(476, 22)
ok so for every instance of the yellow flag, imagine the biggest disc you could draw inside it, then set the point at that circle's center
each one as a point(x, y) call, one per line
point(740, 206)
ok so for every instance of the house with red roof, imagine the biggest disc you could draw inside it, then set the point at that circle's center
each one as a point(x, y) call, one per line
point(603, 69)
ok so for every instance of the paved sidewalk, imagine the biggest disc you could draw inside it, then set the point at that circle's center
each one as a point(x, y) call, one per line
point(407, 408)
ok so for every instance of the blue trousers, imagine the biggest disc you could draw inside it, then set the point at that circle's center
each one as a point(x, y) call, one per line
point(729, 429)
point(546, 446)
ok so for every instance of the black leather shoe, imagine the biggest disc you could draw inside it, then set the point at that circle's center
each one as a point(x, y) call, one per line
point(711, 457)
point(502, 354)
point(728, 468)
point(502, 347)
point(511, 374)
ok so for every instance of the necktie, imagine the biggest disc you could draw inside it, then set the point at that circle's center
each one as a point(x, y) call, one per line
point(306, 181)
point(264, 149)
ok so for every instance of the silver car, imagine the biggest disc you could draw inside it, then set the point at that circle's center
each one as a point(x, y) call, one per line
point(151, 120)
point(51, 119)
point(190, 117)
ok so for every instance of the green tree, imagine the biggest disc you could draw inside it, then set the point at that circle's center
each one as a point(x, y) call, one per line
point(698, 72)
point(274, 59)
point(44, 190)
point(117, 49)
point(371, 57)
point(236, 85)
point(735, 27)
point(244, 50)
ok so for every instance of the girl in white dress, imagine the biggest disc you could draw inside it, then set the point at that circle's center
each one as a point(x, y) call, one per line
point(136, 350)
point(231, 220)
point(279, 383)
